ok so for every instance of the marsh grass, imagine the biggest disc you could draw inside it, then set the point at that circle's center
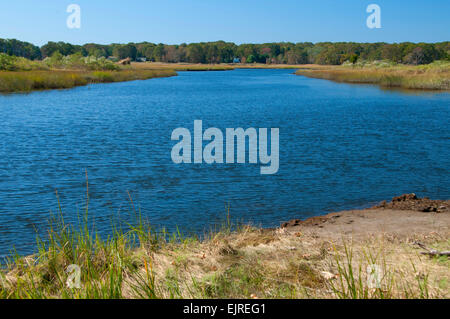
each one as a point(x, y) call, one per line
point(435, 76)
point(403, 273)
point(22, 75)
point(229, 262)
point(26, 81)
point(353, 279)
point(209, 67)
point(178, 66)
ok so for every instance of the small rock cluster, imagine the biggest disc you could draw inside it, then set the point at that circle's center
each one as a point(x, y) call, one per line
point(412, 202)
point(312, 221)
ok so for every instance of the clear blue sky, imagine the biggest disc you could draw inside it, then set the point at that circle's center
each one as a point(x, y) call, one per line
point(244, 21)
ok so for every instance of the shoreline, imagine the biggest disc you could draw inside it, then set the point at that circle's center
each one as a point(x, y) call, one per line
point(42, 80)
point(426, 78)
point(57, 79)
point(405, 215)
point(405, 202)
point(301, 259)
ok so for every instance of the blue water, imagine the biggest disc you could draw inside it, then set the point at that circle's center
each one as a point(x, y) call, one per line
point(341, 146)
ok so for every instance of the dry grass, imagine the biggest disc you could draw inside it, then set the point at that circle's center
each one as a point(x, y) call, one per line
point(26, 81)
point(435, 76)
point(246, 263)
point(267, 66)
point(180, 66)
point(209, 67)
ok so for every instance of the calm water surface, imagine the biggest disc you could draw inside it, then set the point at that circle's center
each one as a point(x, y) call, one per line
point(341, 147)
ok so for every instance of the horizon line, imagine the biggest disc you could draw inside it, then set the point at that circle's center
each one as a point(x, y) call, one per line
point(214, 41)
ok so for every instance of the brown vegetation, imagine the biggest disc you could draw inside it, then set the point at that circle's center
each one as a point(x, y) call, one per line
point(26, 81)
point(435, 76)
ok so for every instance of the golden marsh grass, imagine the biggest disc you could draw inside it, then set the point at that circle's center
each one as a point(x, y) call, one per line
point(435, 76)
point(26, 81)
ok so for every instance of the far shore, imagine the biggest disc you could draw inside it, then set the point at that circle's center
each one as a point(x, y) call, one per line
point(212, 67)
point(435, 76)
point(54, 78)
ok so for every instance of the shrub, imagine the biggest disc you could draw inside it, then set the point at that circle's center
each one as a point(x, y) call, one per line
point(7, 62)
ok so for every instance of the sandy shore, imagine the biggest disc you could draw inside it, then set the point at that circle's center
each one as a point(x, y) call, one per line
point(403, 216)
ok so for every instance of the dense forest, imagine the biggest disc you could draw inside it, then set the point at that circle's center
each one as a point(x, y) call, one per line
point(225, 52)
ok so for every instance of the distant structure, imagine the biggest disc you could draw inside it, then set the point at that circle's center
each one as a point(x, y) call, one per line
point(236, 60)
point(125, 61)
point(141, 59)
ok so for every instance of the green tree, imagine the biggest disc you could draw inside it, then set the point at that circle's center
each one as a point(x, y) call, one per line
point(353, 58)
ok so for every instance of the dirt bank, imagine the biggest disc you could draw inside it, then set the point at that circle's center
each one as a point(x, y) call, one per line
point(403, 216)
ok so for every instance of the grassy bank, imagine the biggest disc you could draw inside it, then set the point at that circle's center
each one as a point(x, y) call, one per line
point(434, 76)
point(26, 81)
point(63, 72)
point(210, 67)
point(242, 262)
point(38, 76)
point(59, 72)
point(266, 66)
point(180, 66)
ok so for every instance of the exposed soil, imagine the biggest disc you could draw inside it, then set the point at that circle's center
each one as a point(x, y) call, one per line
point(403, 216)
point(412, 202)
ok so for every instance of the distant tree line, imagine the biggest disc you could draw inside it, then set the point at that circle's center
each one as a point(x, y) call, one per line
point(333, 53)
point(21, 49)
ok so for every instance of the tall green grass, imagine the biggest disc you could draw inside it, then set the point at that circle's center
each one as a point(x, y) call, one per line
point(352, 278)
point(107, 264)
